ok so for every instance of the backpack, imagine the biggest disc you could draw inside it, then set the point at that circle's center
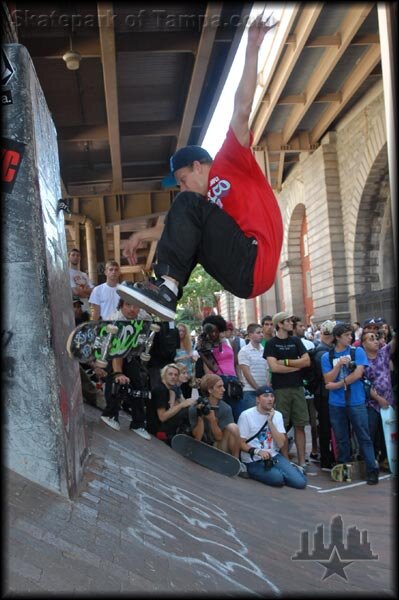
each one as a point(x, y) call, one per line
point(311, 380)
point(367, 385)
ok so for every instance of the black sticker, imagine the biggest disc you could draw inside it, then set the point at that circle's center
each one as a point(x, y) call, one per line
point(7, 70)
point(6, 97)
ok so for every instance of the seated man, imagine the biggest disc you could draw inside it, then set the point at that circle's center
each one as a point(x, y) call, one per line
point(262, 435)
point(225, 218)
point(171, 407)
point(126, 383)
point(212, 421)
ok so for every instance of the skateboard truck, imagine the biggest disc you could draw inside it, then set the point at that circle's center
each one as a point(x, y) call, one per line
point(111, 331)
point(145, 355)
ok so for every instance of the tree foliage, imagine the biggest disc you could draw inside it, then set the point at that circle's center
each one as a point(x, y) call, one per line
point(198, 294)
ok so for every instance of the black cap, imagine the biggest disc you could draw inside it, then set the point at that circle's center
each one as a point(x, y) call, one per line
point(183, 158)
point(264, 389)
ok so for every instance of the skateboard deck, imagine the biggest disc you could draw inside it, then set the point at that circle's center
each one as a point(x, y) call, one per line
point(390, 428)
point(101, 341)
point(206, 455)
point(350, 471)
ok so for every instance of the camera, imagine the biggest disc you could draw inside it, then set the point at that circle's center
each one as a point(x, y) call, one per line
point(125, 392)
point(205, 409)
point(268, 463)
point(205, 339)
point(351, 366)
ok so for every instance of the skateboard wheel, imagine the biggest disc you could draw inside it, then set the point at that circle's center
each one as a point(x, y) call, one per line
point(112, 329)
point(155, 327)
point(144, 356)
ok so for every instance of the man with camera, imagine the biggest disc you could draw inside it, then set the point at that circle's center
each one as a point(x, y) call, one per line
point(347, 398)
point(262, 434)
point(126, 383)
point(211, 418)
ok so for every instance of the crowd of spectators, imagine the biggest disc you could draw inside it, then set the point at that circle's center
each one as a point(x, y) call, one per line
point(243, 391)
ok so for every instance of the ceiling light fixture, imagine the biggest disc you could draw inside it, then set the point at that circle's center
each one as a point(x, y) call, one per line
point(72, 58)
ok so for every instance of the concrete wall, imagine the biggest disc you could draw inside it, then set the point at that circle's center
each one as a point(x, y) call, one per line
point(43, 419)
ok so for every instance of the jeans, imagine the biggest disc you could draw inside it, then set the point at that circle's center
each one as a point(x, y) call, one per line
point(376, 433)
point(282, 473)
point(340, 417)
point(249, 399)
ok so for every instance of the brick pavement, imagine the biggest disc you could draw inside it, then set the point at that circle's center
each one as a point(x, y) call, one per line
point(148, 521)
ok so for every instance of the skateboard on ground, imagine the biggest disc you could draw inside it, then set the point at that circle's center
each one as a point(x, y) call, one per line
point(390, 427)
point(101, 341)
point(206, 455)
point(350, 471)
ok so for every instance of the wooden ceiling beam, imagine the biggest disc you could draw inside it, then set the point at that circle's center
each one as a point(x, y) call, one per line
point(158, 41)
point(274, 142)
point(83, 133)
point(362, 70)
point(153, 246)
point(84, 190)
point(203, 56)
point(320, 41)
point(351, 24)
point(292, 53)
point(280, 171)
point(108, 57)
point(55, 47)
point(361, 39)
point(87, 133)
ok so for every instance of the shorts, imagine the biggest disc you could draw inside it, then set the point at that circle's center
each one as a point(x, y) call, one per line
point(291, 402)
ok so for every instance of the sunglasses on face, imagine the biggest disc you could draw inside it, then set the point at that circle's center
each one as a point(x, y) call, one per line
point(372, 337)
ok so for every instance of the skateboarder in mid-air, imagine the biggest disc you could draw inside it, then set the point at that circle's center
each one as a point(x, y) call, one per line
point(225, 218)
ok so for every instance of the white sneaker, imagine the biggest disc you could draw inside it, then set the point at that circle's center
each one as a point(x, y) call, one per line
point(243, 471)
point(142, 433)
point(111, 422)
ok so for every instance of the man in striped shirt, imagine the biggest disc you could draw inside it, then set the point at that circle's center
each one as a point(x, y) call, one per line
point(254, 368)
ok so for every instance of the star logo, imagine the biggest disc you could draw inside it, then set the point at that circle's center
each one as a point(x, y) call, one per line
point(335, 565)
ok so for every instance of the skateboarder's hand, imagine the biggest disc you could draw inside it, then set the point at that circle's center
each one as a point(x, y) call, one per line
point(130, 250)
point(259, 28)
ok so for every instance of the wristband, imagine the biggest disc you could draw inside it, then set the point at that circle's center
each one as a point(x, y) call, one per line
point(286, 362)
point(251, 452)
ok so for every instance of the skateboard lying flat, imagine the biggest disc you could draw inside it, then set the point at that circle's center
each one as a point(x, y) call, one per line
point(347, 472)
point(390, 427)
point(101, 341)
point(206, 455)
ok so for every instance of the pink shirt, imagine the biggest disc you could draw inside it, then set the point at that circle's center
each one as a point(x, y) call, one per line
point(225, 359)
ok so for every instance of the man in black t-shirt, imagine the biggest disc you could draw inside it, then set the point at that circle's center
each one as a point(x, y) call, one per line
point(286, 356)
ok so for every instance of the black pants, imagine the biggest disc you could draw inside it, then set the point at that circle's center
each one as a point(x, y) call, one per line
point(197, 231)
point(135, 405)
point(324, 430)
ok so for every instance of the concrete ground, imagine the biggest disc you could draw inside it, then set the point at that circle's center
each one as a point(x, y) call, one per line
point(147, 521)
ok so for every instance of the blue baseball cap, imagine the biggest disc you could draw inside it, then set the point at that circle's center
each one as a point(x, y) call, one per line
point(264, 389)
point(183, 158)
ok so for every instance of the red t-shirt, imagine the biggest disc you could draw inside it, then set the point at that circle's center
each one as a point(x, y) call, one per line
point(238, 186)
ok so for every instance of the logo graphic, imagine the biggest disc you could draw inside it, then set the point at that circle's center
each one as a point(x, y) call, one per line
point(7, 70)
point(336, 556)
point(11, 157)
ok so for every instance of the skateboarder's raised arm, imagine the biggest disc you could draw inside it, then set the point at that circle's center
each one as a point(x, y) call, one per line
point(246, 88)
point(151, 234)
